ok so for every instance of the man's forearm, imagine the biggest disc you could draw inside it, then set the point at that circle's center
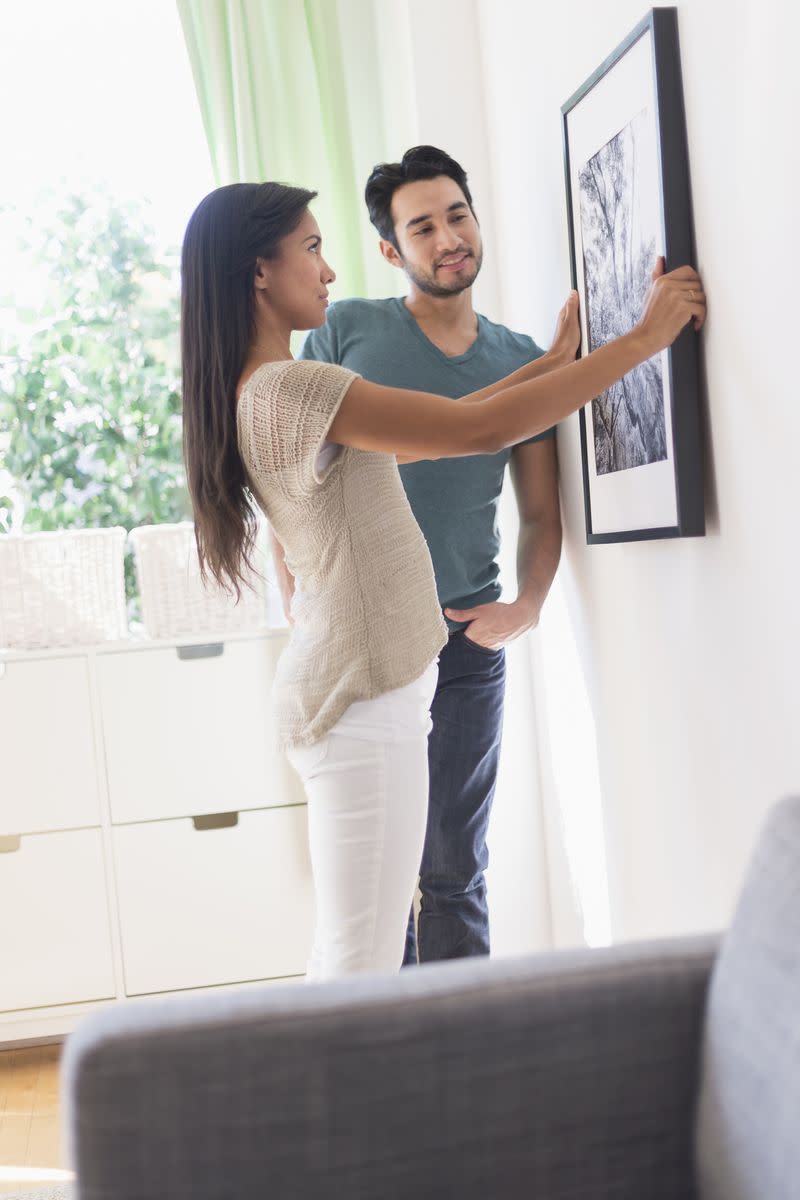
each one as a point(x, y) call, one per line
point(538, 555)
point(551, 360)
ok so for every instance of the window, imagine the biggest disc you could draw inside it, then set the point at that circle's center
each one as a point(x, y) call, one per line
point(104, 159)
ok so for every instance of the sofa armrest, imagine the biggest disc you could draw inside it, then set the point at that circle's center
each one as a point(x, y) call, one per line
point(566, 1075)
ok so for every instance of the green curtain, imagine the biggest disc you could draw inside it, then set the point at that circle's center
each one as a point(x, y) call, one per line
point(290, 90)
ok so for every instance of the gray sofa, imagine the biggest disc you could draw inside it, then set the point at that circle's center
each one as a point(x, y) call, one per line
point(653, 1072)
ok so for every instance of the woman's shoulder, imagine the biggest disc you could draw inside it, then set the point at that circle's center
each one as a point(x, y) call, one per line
point(264, 375)
point(273, 378)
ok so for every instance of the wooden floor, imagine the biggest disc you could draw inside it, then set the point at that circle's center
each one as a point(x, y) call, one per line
point(30, 1134)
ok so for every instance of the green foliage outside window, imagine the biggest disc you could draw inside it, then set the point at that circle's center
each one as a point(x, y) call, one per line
point(90, 425)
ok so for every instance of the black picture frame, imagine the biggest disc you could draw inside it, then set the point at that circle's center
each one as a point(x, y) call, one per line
point(679, 373)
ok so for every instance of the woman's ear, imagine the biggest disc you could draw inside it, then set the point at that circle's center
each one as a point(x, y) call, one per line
point(261, 278)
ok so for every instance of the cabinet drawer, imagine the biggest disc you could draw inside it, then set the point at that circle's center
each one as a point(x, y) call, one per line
point(55, 944)
point(194, 735)
point(214, 906)
point(49, 779)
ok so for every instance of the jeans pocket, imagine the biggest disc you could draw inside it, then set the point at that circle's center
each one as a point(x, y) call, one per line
point(481, 649)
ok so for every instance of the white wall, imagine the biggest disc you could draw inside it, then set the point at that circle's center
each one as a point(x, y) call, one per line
point(691, 648)
point(393, 51)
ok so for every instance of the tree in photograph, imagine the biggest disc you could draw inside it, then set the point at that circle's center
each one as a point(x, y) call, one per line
point(90, 409)
point(617, 229)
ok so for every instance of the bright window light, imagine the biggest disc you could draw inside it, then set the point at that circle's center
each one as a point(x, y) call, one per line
point(96, 92)
point(99, 104)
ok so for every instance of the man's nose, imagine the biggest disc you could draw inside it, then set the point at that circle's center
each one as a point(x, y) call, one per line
point(447, 241)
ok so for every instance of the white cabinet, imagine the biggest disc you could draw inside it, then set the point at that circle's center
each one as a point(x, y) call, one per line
point(189, 730)
point(48, 777)
point(55, 942)
point(152, 836)
point(211, 906)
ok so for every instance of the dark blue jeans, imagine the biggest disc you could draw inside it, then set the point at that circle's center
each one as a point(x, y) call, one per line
point(463, 754)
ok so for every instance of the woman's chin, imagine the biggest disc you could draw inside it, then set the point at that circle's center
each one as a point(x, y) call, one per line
point(313, 322)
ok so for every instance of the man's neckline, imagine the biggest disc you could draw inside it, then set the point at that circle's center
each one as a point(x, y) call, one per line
point(453, 359)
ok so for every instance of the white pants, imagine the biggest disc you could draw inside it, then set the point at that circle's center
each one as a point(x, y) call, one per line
point(367, 787)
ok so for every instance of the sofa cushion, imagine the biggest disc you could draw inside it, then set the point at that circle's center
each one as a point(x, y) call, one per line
point(564, 1076)
point(748, 1127)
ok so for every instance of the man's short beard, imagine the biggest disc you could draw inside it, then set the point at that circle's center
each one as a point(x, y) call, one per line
point(427, 285)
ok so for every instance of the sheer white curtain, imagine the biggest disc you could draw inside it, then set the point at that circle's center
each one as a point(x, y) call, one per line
point(304, 93)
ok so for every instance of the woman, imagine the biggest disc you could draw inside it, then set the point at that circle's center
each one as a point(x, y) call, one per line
point(316, 448)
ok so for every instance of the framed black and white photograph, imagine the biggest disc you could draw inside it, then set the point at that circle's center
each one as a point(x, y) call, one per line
point(628, 202)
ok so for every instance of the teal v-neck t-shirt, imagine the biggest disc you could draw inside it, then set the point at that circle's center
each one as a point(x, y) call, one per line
point(454, 500)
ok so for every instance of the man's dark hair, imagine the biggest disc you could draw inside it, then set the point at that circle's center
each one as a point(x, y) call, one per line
point(421, 162)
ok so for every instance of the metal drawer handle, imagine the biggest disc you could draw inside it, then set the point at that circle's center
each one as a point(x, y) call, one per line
point(11, 843)
point(216, 821)
point(209, 650)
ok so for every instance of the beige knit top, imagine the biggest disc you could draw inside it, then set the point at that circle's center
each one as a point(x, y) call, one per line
point(368, 618)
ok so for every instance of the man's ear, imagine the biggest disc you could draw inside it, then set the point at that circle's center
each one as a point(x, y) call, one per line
point(391, 253)
point(261, 279)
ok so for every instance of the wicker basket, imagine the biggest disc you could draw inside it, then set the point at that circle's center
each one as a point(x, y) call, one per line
point(174, 598)
point(64, 588)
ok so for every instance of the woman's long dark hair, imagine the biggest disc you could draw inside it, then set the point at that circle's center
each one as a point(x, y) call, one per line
point(228, 231)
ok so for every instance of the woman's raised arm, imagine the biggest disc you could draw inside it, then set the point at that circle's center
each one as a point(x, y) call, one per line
point(422, 425)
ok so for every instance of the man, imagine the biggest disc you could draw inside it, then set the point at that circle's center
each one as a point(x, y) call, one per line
point(434, 341)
